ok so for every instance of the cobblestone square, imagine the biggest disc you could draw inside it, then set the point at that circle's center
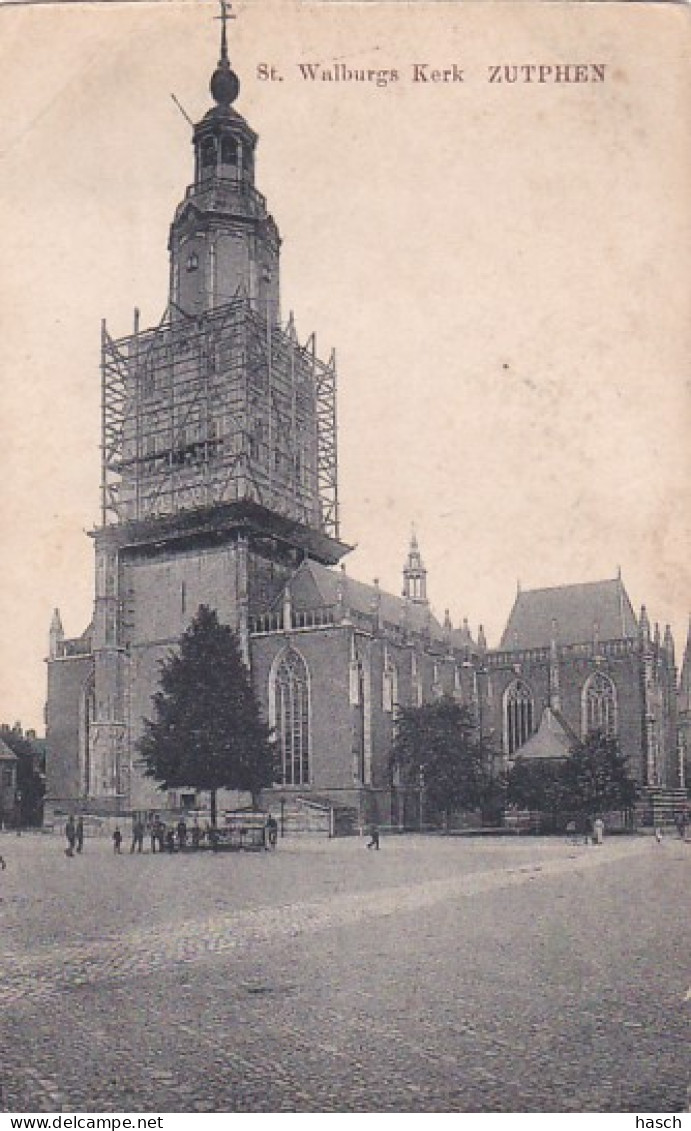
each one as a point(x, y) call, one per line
point(439, 974)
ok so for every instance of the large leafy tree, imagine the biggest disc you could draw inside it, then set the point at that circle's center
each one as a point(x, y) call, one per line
point(437, 748)
point(597, 775)
point(207, 731)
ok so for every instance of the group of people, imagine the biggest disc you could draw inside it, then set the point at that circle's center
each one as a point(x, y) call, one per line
point(163, 838)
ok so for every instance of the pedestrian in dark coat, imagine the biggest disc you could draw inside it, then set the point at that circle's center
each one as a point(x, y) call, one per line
point(271, 831)
point(374, 837)
point(71, 834)
point(117, 841)
point(80, 834)
point(137, 836)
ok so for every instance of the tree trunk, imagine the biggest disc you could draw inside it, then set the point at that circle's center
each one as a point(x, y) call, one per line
point(213, 808)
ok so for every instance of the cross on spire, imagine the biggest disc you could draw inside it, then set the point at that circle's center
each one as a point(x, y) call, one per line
point(226, 14)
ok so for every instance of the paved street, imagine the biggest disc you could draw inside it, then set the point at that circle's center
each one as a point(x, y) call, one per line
point(436, 975)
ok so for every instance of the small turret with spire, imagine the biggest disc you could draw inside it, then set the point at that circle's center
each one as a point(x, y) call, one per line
point(644, 626)
point(684, 694)
point(415, 574)
point(56, 636)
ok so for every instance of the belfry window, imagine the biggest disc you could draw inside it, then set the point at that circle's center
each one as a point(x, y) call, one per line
point(208, 152)
point(229, 151)
point(599, 705)
point(519, 715)
point(291, 718)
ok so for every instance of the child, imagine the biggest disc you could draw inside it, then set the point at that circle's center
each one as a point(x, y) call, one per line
point(374, 837)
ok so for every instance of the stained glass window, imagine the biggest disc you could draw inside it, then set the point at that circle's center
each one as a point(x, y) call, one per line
point(291, 692)
point(519, 715)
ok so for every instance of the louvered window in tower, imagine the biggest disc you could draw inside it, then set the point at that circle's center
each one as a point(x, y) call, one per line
point(291, 693)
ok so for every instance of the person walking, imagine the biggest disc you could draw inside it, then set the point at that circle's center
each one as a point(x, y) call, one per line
point(271, 831)
point(374, 837)
point(80, 834)
point(71, 835)
point(117, 841)
point(153, 833)
point(137, 836)
point(182, 834)
point(599, 830)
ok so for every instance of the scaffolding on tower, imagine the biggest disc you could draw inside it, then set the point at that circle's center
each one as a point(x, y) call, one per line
point(202, 411)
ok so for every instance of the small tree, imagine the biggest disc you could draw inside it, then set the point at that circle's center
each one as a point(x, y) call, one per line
point(207, 731)
point(597, 776)
point(539, 784)
point(437, 747)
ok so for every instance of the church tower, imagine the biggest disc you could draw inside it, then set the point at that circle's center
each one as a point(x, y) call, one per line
point(223, 242)
point(219, 462)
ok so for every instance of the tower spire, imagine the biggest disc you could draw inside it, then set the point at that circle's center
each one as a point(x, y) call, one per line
point(224, 16)
point(224, 85)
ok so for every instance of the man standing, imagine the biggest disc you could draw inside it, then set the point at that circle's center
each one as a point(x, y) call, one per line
point(80, 834)
point(71, 835)
point(137, 835)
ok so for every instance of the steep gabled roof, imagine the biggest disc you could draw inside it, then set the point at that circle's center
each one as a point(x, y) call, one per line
point(554, 738)
point(315, 586)
point(6, 755)
point(570, 612)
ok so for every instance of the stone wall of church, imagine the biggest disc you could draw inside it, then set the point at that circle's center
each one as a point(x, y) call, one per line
point(625, 672)
point(67, 678)
point(326, 653)
point(161, 594)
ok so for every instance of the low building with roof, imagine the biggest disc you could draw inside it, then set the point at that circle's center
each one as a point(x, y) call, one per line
point(8, 783)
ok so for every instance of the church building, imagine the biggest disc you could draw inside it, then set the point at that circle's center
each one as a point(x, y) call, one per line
point(219, 486)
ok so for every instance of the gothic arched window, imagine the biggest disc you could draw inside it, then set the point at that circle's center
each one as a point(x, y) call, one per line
point(87, 716)
point(519, 715)
point(291, 717)
point(599, 705)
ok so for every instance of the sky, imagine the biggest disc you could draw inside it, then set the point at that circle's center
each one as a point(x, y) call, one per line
point(502, 268)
